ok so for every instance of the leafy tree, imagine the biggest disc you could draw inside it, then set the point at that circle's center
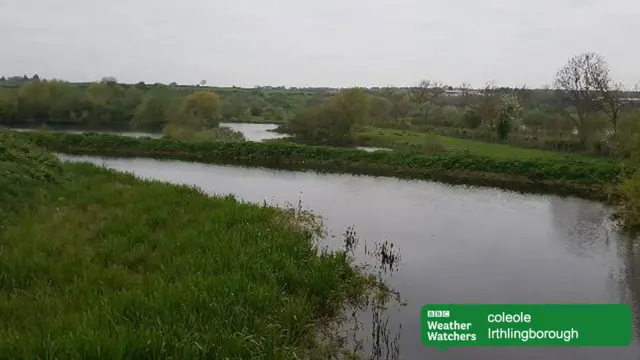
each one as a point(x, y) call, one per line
point(8, 106)
point(152, 113)
point(471, 118)
point(333, 121)
point(510, 110)
point(199, 111)
point(380, 109)
point(256, 110)
point(424, 95)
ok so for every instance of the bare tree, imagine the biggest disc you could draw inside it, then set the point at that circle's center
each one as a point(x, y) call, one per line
point(425, 94)
point(489, 104)
point(465, 88)
point(578, 81)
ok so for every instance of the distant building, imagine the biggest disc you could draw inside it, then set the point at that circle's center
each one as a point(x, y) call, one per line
point(460, 92)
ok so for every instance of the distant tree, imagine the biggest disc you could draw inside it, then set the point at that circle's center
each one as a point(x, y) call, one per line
point(489, 107)
point(203, 82)
point(8, 106)
point(35, 77)
point(380, 109)
point(2, 79)
point(103, 93)
point(256, 110)
point(578, 82)
point(471, 118)
point(109, 80)
point(153, 112)
point(465, 88)
point(332, 121)
point(611, 92)
point(173, 84)
point(510, 111)
point(199, 111)
point(424, 95)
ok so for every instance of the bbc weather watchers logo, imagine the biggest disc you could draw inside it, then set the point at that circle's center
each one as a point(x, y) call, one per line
point(438, 313)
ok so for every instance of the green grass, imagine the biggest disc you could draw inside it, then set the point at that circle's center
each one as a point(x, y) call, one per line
point(106, 266)
point(580, 176)
point(393, 138)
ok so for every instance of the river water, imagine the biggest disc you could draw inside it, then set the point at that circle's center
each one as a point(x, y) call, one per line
point(251, 132)
point(456, 244)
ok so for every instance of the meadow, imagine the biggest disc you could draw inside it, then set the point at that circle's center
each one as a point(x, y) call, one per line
point(391, 138)
point(96, 264)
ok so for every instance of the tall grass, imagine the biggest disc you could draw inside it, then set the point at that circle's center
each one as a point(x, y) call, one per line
point(24, 169)
point(106, 266)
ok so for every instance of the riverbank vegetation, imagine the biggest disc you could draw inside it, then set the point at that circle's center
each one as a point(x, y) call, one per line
point(103, 265)
point(590, 116)
point(197, 119)
point(574, 175)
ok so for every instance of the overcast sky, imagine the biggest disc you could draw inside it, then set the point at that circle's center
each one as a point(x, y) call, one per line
point(315, 43)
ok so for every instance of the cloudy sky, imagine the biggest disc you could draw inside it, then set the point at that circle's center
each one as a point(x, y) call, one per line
point(315, 43)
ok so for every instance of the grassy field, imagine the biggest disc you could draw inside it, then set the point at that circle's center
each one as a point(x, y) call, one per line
point(100, 265)
point(397, 138)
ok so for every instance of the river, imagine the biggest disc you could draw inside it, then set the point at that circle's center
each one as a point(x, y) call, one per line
point(457, 244)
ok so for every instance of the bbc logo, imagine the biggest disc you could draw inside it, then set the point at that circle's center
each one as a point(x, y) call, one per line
point(438, 313)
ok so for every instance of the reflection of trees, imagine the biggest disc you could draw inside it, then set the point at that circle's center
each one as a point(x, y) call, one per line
point(587, 231)
point(583, 225)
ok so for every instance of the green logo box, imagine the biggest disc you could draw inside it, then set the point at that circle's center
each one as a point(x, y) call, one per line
point(452, 325)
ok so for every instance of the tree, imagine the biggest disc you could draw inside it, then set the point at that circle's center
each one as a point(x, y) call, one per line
point(489, 108)
point(611, 96)
point(380, 109)
point(466, 93)
point(109, 80)
point(102, 93)
point(578, 81)
point(8, 106)
point(203, 82)
point(199, 111)
point(424, 95)
point(471, 118)
point(333, 120)
point(153, 111)
point(510, 110)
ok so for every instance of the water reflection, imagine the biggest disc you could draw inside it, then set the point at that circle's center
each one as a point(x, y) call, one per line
point(255, 132)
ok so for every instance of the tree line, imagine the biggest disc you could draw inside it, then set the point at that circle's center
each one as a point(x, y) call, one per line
point(585, 110)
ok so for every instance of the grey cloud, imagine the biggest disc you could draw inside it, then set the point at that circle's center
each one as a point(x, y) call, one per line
point(317, 43)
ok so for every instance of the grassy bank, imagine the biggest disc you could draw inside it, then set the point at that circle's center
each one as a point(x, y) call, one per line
point(562, 175)
point(398, 138)
point(105, 266)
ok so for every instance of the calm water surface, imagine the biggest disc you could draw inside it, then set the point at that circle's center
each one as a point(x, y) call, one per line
point(457, 244)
